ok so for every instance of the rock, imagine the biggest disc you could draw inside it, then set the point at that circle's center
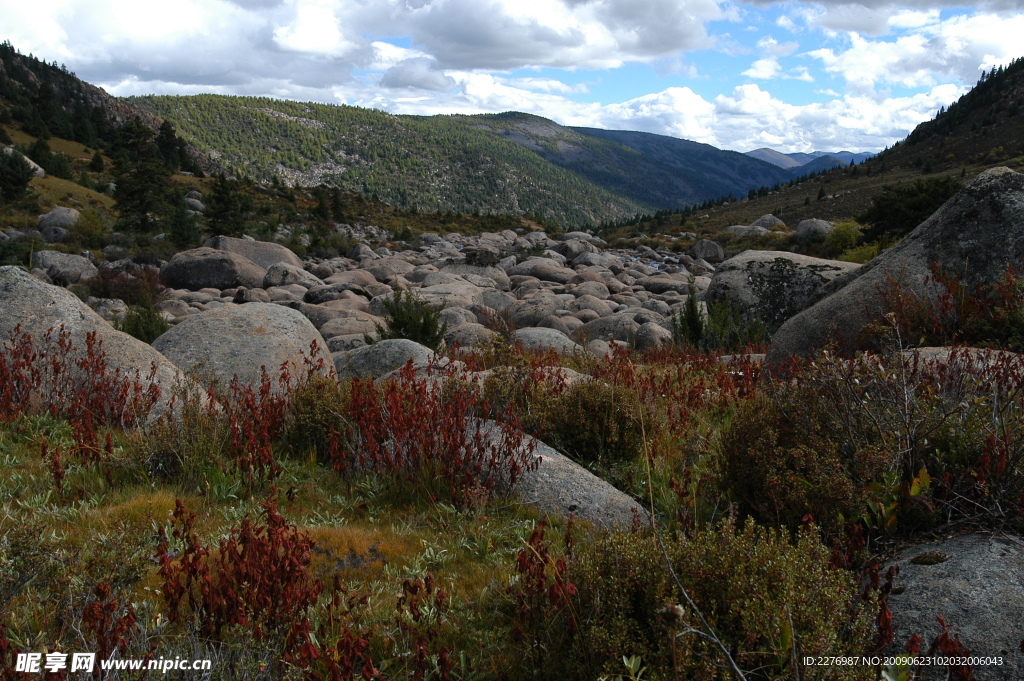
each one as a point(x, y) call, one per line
point(707, 250)
point(63, 269)
point(975, 234)
point(384, 270)
point(237, 340)
point(530, 312)
point(652, 336)
point(283, 274)
point(211, 268)
point(813, 227)
point(39, 307)
point(468, 335)
point(263, 253)
point(194, 204)
point(666, 282)
point(558, 485)
point(251, 295)
point(351, 323)
point(592, 288)
point(767, 222)
point(772, 285)
point(361, 252)
point(495, 274)
point(381, 358)
point(574, 248)
point(482, 255)
point(618, 327)
point(976, 584)
point(542, 340)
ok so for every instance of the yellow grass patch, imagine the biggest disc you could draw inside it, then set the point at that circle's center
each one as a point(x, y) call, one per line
point(357, 550)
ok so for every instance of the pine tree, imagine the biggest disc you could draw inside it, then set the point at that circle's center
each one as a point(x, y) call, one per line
point(143, 180)
point(15, 174)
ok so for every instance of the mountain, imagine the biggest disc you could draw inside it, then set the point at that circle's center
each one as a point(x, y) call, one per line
point(983, 129)
point(511, 162)
point(799, 162)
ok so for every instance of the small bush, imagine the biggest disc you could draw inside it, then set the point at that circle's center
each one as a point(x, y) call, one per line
point(723, 328)
point(318, 421)
point(748, 583)
point(143, 322)
point(843, 237)
point(596, 423)
point(413, 318)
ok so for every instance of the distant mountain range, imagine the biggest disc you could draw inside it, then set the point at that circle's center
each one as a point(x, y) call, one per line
point(813, 162)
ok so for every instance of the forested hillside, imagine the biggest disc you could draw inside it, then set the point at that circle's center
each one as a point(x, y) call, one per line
point(428, 163)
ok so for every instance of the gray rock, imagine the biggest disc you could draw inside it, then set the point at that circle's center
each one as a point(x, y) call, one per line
point(237, 340)
point(977, 588)
point(387, 268)
point(63, 269)
point(263, 253)
point(381, 358)
point(772, 285)
point(975, 234)
point(361, 252)
point(592, 288)
point(482, 255)
point(661, 283)
point(652, 336)
point(706, 249)
point(39, 307)
point(813, 227)
point(194, 204)
point(468, 335)
point(529, 312)
point(496, 274)
point(767, 222)
point(542, 340)
point(620, 327)
point(283, 274)
point(351, 323)
point(211, 268)
point(574, 248)
point(251, 295)
point(558, 485)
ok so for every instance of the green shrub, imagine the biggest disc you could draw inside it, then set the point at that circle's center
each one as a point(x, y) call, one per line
point(596, 423)
point(143, 322)
point(842, 238)
point(779, 475)
point(901, 207)
point(861, 254)
point(15, 175)
point(318, 424)
point(413, 318)
point(747, 582)
point(723, 328)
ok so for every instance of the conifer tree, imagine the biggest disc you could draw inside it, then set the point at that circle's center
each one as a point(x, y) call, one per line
point(142, 177)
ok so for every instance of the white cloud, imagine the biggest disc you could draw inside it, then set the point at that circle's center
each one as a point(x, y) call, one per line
point(952, 49)
point(419, 74)
point(764, 69)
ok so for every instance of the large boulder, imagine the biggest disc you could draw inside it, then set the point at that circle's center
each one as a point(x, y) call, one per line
point(813, 227)
point(239, 340)
point(37, 307)
point(211, 268)
point(63, 269)
point(976, 584)
point(381, 358)
point(263, 253)
point(705, 249)
point(60, 218)
point(283, 274)
point(976, 235)
point(557, 485)
point(620, 327)
point(542, 340)
point(772, 285)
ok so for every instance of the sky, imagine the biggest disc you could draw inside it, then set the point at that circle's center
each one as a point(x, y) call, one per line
point(825, 75)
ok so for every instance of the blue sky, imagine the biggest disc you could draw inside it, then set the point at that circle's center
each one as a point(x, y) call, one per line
point(795, 76)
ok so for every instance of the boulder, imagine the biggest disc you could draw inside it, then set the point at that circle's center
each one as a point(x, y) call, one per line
point(618, 327)
point(495, 274)
point(63, 269)
point(767, 222)
point(661, 283)
point(772, 285)
point(542, 340)
point(468, 335)
point(707, 250)
point(557, 485)
point(263, 253)
point(350, 323)
point(37, 307)
point(237, 340)
point(813, 227)
point(381, 358)
point(211, 268)
point(283, 274)
point(652, 336)
point(976, 235)
point(530, 312)
point(976, 584)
